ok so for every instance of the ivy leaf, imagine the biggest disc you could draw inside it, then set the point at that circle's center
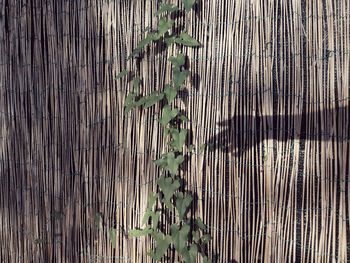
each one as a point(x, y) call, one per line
point(200, 224)
point(136, 82)
point(152, 198)
point(162, 162)
point(129, 102)
point(179, 237)
point(178, 61)
point(146, 41)
point(170, 93)
point(174, 163)
point(190, 255)
point(206, 260)
point(122, 74)
point(150, 100)
point(166, 8)
point(140, 232)
point(195, 236)
point(155, 219)
point(189, 4)
point(163, 243)
point(167, 131)
point(168, 115)
point(169, 40)
point(179, 77)
point(142, 44)
point(183, 118)
point(206, 238)
point(163, 27)
point(191, 149)
point(182, 204)
point(140, 102)
point(186, 40)
point(179, 139)
point(149, 211)
point(146, 216)
point(153, 98)
point(112, 233)
point(168, 187)
point(130, 98)
point(202, 148)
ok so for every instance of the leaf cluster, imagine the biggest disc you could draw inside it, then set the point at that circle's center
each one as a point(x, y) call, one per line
point(187, 236)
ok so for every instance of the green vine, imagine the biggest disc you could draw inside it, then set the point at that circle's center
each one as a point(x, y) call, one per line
point(188, 235)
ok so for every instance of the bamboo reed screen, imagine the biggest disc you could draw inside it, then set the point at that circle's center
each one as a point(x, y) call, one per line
point(269, 94)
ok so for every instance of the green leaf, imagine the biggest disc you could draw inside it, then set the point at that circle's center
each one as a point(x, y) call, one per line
point(173, 163)
point(162, 162)
point(152, 198)
point(112, 233)
point(168, 115)
point(170, 40)
point(142, 44)
point(136, 82)
point(183, 202)
point(130, 98)
point(183, 118)
point(170, 93)
point(186, 40)
point(166, 8)
point(140, 232)
point(153, 98)
point(179, 77)
point(146, 216)
point(190, 255)
point(188, 4)
point(196, 236)
point(168, 187)
point(202, 148)
point(122, 74)
point(178, 61)
point(206, 260)
point(179, 139)
point(140, 102)
point(163, 27)
point(191, 148)
point(206, 238)
point(163, 243)
point(167, 131)
point(200, 224)
point(154, 218)
point(129, 102)
point(146, 41)
point(179, 236)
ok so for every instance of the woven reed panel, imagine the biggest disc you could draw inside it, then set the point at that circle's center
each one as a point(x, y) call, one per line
point(269, 95)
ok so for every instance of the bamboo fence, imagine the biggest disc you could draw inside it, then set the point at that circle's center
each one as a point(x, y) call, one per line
point(269, 94)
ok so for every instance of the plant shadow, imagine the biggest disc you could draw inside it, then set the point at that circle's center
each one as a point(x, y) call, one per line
point(243, 132)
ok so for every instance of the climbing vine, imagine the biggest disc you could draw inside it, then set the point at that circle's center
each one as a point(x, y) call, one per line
point(187, 235)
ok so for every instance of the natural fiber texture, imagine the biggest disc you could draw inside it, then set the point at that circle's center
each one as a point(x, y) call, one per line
point(269, 92)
